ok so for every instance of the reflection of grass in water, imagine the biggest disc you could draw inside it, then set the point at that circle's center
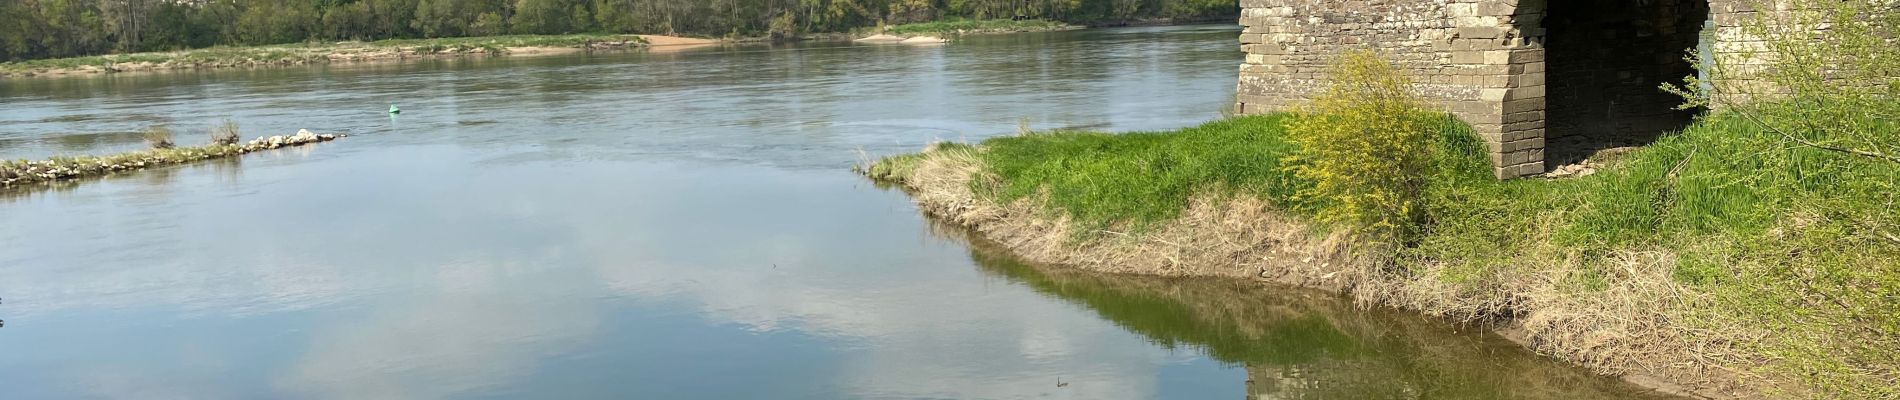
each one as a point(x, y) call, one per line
point(1332, 349)
point(1281, 338)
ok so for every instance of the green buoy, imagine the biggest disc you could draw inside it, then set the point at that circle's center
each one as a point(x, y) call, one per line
point(394, 110)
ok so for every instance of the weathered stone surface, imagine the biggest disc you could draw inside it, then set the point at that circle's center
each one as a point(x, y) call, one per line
point(1533, 77)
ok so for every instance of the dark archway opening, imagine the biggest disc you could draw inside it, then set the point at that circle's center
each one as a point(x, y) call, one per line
point(1605, 62)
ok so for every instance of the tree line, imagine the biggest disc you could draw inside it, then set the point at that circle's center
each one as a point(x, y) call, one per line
point(33, 29)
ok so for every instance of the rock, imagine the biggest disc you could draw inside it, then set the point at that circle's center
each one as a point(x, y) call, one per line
point(303, 136)
point(1583, 169)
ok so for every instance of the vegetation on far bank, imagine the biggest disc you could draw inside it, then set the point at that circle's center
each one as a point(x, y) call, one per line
point(312, 53)
point(42, 29)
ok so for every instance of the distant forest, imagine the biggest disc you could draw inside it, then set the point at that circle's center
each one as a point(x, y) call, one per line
point(33, 29)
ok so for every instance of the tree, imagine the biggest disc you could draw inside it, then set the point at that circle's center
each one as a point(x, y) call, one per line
point(31, 29)
point(542, 16)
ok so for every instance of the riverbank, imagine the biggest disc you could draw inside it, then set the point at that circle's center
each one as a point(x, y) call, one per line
point(302, 54)
point(1694, 264)
point(26, 172)
point(517, 45)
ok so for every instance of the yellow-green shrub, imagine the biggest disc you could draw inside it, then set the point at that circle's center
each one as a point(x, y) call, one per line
point(1366, 144)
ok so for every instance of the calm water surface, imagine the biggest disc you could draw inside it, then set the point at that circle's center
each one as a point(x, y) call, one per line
point(648, 225)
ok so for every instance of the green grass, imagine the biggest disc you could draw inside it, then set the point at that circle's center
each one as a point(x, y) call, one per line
point(954, 26)
point(1796, 249)
point(1800, 242)
point(1143, 178)
point(303, 53)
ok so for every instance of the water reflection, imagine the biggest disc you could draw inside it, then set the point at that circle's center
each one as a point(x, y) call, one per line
point(632, 226)
point(802, 106)
point(1297, 344)
point(531, 278)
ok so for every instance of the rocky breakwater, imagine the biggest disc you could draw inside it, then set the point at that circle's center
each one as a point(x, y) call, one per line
point(303, 137)
point(22, 172)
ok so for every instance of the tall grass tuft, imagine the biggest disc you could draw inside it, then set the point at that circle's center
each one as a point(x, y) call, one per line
point(159, 138)
point(225, 134)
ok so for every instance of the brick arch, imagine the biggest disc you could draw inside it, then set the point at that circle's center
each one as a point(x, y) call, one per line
point(1605, 61)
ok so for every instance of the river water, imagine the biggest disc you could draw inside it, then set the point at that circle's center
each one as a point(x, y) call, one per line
point(660, 225)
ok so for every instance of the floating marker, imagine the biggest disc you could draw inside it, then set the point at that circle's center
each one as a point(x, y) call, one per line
point(394, 110)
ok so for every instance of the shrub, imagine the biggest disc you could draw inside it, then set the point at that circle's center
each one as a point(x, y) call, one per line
point(1830, 69)
point(225, 134)
point(1366, 144)
point(159, 137)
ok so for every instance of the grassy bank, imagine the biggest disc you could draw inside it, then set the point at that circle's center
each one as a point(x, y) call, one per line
point(317, 53)
point(314, 53)
point(975, 26)
point(1719, 258)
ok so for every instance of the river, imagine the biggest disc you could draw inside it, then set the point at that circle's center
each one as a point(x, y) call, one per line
point(661, 225)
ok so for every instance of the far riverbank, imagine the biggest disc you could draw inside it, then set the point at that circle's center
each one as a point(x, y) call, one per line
point(514, 45)
point(303, 54)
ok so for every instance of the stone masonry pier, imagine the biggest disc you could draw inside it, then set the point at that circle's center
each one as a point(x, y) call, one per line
point(1544, 82)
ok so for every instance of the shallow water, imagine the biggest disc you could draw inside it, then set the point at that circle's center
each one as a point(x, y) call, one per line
point(648, 225)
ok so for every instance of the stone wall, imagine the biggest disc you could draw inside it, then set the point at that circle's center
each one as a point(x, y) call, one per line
point(1485, 61)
